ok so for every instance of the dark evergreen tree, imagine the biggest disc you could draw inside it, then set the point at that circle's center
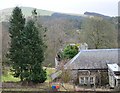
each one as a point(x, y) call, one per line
point(26, 52)
point(34, 53)
point(17, 22)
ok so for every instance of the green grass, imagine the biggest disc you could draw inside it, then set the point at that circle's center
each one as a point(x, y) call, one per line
point(49, 72)
point(9, 78)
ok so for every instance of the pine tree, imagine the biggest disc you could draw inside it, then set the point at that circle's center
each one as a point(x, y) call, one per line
point(34, 53)
point(17, 22)
point(26, 52)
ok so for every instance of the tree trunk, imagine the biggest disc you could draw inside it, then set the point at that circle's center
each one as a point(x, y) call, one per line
point(21, 77)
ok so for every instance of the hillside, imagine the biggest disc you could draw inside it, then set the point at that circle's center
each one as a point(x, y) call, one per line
point(62, 29)
point(96, 14)
point(5, 13)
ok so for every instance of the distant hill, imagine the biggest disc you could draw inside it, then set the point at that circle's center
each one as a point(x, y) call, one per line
point(6, 13)
point(96, 14)
point(68, 16)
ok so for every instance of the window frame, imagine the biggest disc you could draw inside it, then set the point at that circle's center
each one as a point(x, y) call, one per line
point(86, 80)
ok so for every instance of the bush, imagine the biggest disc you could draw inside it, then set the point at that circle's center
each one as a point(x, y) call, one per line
point(70, 51)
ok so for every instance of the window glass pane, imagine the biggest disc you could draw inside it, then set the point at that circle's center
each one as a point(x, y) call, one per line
point(91, 80)
point(119, 81)
point(86, 80)
point(82, 80)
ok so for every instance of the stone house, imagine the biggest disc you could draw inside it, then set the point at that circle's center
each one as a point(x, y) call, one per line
point(89, 67)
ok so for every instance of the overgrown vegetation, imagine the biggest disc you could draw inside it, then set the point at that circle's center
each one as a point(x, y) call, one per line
point(66, 76)
point(68, 52)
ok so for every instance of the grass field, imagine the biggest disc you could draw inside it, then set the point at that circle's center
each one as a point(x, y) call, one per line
point(10, 78)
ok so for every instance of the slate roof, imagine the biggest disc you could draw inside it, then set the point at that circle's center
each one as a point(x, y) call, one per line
point(94, 59)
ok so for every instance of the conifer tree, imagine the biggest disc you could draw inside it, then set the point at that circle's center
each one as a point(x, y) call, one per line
point(26, 52)
point(34, 49)
point(17, 22)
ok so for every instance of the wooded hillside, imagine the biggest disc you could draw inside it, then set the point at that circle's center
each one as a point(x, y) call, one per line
point(62, 29)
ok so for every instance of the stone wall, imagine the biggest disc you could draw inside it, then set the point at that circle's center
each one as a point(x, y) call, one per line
point(101, 77)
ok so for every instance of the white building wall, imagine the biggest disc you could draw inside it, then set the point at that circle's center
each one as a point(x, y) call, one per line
point(56, 63)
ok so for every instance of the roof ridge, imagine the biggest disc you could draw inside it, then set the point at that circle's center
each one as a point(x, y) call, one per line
point(88, 50)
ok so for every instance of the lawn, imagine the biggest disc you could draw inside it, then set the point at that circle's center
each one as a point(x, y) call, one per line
point(10, 78)
point(49, 72)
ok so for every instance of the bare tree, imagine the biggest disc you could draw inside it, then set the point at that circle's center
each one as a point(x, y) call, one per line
point(99, 33)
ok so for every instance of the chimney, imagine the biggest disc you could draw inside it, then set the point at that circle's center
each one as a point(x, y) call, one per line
point(83, 46)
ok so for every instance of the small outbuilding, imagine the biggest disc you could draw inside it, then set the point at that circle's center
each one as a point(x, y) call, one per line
point(114, 75)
